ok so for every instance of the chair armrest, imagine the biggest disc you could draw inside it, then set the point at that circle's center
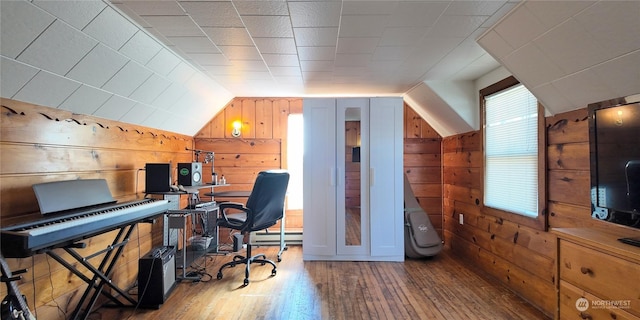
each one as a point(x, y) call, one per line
point(240, 225)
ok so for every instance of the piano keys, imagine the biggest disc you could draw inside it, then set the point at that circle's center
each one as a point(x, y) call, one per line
point(98, 213)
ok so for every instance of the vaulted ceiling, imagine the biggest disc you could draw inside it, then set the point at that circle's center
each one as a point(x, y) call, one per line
point(173, 64)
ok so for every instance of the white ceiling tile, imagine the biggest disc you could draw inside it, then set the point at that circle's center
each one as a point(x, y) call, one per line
point(241, 52)
point(622, 74)
point(213, 13)
point(194, 44)
point(98, 66)
point(352, 60)
point(368, 7)
point(155, 8)
point(519, 27)
point(276, 45)
point(131, 76)
point(583, 87)
point(14, 76)
point(285, 71)
point(357, 45)
point(313, 37)
point(210, 59)
point(474, 8)
point(46, 89)
point(493, 43)
point(170, 95)
point(149, 90)
point(281, 60)
point(174, 26)
point(551, 98)
point(132, 15)
point(317, 66)
point(262, 8)
point(75, 13)
point(85, 100)
point(141, 48)
point(249, 65)
point(362, 25)
point(492, 20)
point(552, 13)
point(111, 28)
point(316, 53)
point(268, 26)
point(457, 26)
point(64, 45)
point(228, 36)
point(157, 118)
point(20, 23)
point(417, 14)
point(530, 61)
point(402, 36)
point(181, 73)
point(315, 14)
point(163, 62)
point(620, 33)
point(391, 53)
point(138, 113)
point(114, 108)
point(570, 47)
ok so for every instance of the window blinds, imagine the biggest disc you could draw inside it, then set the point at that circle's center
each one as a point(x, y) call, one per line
point(511, 151)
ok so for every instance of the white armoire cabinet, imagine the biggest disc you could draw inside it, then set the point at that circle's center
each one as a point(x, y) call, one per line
point(353, 187)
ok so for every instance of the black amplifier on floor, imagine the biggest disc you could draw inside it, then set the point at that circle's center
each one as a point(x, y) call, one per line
point(156, 277)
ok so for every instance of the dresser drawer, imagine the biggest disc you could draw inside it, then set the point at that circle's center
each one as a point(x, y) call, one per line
point(609, 278)
point(572, 308)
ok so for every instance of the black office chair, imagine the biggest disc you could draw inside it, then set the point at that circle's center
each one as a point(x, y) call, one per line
point(265, 206)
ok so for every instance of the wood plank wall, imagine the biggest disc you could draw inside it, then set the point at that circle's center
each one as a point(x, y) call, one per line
point(423, 164)
point(522, 258)
point(262, 144)
point(264, 130)
point(40, 144)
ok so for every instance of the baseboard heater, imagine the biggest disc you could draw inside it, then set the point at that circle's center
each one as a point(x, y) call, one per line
point(272, 238)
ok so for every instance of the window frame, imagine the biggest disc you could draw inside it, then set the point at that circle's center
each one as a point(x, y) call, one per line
point(540, 222)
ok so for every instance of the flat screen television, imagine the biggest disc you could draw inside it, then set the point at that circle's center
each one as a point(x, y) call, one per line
point(614, 147)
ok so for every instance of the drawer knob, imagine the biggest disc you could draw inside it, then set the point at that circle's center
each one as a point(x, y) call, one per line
point(586, 270)
point(585, 316)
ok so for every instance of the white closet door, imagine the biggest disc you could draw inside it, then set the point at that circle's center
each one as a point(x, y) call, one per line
point(386, 184)
point(352, 219)
point(319, 178)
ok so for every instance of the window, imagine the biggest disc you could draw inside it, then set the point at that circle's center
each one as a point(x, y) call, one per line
point(295, 147)
point(512, 150)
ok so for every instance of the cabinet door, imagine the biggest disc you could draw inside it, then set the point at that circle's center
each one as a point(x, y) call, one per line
point(319, 178)
point(352, 191)
point(386, 178)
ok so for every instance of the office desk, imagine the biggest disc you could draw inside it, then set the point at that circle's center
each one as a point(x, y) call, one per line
point(246, 194)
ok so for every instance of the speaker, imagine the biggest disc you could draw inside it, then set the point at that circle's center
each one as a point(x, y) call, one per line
point(156, 277)
point(190, 174)
point(157, 177)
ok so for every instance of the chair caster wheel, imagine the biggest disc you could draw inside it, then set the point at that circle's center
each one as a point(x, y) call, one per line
point(246, 282)
point(279, 259)
point(219, 275)
point(273, 272)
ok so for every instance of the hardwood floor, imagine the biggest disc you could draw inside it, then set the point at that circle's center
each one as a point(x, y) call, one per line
point(440, 288)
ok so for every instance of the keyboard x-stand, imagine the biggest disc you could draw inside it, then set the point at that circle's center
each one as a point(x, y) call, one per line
point(67, 229)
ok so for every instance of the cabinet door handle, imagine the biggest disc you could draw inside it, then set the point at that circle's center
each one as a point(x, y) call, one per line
point(586, 270)
point(585, 316)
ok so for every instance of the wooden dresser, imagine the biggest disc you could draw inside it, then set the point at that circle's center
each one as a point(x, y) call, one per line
point(599, 277)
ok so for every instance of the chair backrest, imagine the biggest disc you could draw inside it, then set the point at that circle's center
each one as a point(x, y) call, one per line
point(267, 199)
